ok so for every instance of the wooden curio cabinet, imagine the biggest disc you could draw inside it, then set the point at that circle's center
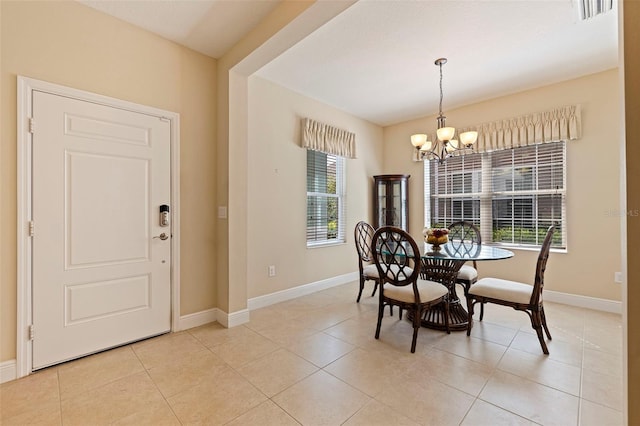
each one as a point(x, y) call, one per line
point(390, 198)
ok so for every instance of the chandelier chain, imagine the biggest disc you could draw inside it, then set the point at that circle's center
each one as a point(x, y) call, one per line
point(446, 145)
point(440, 107)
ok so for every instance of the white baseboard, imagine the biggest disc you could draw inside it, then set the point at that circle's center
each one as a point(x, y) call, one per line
point(197, 319)
point(211, 315)
point(234, 318)
point(242, 317)
point(303, 290)
point(595, 303)
point(8, 371)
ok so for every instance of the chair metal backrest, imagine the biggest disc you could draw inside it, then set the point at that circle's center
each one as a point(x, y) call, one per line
point(464, 231)
point(363, 235)
point(397, 257)
point(463, 235)
point(541, 265)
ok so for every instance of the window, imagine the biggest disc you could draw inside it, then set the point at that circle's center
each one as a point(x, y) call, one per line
point(515, 193)
point(325, 199)
point(456, 187)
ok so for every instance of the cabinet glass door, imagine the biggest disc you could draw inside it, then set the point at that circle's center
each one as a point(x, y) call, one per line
point(397, 201)
point(381, 201)
point(390, 198)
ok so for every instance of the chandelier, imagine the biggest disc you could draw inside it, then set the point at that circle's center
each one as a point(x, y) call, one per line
point(445, 146)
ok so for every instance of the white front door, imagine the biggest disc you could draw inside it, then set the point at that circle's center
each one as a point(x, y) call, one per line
point(101, 278)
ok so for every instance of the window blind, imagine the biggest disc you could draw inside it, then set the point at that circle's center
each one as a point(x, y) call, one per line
point(326, 202)
point(456, 188)
point(528, 194)
point(513, 195)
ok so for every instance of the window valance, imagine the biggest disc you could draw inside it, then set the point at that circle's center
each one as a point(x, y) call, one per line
point(328, 139)
point(563, 123)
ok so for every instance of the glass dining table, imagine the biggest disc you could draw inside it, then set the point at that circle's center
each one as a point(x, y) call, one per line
point(442, 266)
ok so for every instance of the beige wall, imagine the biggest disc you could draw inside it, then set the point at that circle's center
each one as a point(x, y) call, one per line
point(277, 189)
point(593, 182)
point(231, 162)
point(66, 43)
point(631, 30)
point(284, 27)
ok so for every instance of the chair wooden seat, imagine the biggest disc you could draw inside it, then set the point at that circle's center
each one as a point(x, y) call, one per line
point(370, 271)
point(427, 290)
point(504, 290)
point(467, 273)
point(397, 258)
point(519, 296)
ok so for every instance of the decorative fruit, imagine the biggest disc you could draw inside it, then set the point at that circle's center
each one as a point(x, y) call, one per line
point(436, 235)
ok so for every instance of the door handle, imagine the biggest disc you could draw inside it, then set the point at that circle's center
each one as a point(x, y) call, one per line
point(162, 236)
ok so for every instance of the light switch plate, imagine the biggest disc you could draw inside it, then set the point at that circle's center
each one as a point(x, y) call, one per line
point(222, 212)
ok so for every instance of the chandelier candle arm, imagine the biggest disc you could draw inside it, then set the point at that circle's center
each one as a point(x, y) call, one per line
point(445, 146)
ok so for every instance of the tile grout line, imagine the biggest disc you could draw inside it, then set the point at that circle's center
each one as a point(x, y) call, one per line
point(146, 370)
point(582, 367)
point(59, 395)
point(493, 370)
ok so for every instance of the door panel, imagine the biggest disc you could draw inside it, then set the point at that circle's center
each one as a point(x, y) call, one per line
point(116, 297)
point(107, 201)
point(100, 279)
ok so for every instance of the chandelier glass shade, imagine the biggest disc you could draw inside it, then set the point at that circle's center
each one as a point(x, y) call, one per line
point(446, 145)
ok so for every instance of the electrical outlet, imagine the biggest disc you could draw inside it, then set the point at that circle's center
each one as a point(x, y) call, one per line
point(272, 270)
point(617, 277)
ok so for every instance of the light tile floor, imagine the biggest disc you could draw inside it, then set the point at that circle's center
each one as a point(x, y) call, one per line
point(314, 361)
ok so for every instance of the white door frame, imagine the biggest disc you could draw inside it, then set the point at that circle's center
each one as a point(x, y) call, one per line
point(26, 87)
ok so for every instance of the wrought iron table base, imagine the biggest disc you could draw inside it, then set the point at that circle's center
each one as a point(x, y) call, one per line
point(443, 267)
point(458, 317)
point(444, 271)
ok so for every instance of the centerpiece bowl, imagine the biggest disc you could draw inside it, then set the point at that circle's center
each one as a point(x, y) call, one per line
point(436, 237)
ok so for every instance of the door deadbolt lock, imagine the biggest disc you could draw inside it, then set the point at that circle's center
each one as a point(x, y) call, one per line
point(162, 236)
point(164, 215)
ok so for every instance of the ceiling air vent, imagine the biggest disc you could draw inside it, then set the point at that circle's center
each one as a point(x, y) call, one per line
point(591, 8)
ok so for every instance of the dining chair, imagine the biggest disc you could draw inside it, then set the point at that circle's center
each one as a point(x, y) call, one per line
point(397, 257)
point(519, 296)
point(363, 234)
point(464, 232)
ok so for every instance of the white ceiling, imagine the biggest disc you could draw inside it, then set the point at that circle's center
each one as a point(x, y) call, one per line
point(210, 27)
point(376, 59)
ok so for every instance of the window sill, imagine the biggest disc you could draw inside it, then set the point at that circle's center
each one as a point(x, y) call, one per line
point(524, 248)
point(327, 244)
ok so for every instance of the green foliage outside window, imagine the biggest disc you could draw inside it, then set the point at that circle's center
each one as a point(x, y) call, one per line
point(524, 235)
point(517, 235)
